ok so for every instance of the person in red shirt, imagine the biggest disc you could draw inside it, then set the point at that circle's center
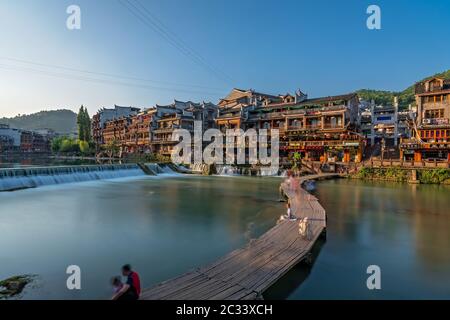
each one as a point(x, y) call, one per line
point(132, 287)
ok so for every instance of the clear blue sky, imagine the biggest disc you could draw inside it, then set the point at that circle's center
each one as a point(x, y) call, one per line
point(322, 47)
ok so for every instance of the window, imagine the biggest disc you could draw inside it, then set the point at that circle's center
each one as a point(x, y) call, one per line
point(434, 113)
point(333, 122)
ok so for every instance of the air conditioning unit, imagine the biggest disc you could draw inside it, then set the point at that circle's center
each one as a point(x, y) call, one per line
point(426, 121)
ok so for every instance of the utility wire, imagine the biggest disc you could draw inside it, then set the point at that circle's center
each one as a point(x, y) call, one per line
point(182, 42)
point(111, 75)
point(145, 16)
point(98, 80)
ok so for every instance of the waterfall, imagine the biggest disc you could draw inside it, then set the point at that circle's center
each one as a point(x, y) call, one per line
point(268, 171)
point(154, 167)
point(14, 179)
point(166, 169)
point(228, 170)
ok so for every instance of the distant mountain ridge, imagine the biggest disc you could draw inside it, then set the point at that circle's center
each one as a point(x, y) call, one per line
point(62, 121)
point(405, 97)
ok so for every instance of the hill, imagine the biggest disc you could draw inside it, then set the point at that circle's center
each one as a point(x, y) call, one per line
point(405, 97)
point(62, 121)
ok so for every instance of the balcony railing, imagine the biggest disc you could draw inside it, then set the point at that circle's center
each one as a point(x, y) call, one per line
point(315, 127)
point(346, 142)
point(435, 121)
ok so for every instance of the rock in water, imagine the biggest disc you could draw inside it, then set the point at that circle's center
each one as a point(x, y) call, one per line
point(14, 286)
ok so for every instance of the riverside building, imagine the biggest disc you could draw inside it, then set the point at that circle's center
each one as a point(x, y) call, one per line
point(324, 128)
point(431, 139)
point(383, 122)
point(108, 114)
point(319, 129)
point(14, 140)
point(149, 131)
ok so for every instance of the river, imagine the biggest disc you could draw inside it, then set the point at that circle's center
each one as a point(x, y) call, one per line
point(166, 225)
point(162, 225)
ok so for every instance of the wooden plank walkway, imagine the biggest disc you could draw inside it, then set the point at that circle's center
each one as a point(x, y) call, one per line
point(247, 272)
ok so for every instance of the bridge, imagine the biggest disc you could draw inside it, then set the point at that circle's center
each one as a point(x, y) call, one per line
point(244, 274)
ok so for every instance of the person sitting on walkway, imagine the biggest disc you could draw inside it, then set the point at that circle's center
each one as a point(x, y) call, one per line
point(117, 284)
point(132, 287)
point(290, 215)
point(304, 228)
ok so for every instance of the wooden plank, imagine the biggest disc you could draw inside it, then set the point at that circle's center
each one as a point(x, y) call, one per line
point(247, 272)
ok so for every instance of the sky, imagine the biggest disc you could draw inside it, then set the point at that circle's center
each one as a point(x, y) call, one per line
point(133, 55)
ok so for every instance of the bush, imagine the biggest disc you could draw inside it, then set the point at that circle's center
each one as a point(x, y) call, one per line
point(84, 147)
point(391, 174)
point(434, 175)
point(65, 145)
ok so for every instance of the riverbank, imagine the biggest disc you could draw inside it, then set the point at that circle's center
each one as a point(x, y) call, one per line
point(424, 176)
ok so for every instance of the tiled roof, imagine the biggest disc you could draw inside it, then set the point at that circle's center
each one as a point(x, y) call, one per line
point(420, 86)
point(240, 93)
point(313, 101)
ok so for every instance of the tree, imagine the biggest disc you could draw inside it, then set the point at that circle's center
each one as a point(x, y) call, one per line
point(112, 148)
point(56, 144)
point(69, 145)
point(297, 158)
point(81, 123)
point(84, 125)
point(87, 121)
point(84, 147)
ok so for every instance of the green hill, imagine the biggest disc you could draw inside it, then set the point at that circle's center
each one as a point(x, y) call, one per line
point(405, 97)
point(62, 121)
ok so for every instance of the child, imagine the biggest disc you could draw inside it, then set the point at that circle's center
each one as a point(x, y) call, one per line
point(117, 284)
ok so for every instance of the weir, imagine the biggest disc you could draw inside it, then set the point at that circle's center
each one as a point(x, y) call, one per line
point(248, 272)
point(260, 171)
point(24, 178)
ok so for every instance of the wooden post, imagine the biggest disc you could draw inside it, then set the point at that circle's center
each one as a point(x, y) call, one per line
point(346, 156)
point(417, 156)
point(413, 179)
point(359, 154)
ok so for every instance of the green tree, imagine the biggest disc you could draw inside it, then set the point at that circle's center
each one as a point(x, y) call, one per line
point(69, 145)
point(84, 125)
point(297, 157)
point(112, 148)
point(87, 133)
point(84, 147)
point(81, 124)
point(56, 144)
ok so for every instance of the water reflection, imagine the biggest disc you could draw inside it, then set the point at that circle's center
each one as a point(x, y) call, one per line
point(163, 226)
point(402, 228)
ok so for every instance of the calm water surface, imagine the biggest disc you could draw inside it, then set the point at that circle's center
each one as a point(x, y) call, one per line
point(167, 225)
point(404, 229)
point(163, 226)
